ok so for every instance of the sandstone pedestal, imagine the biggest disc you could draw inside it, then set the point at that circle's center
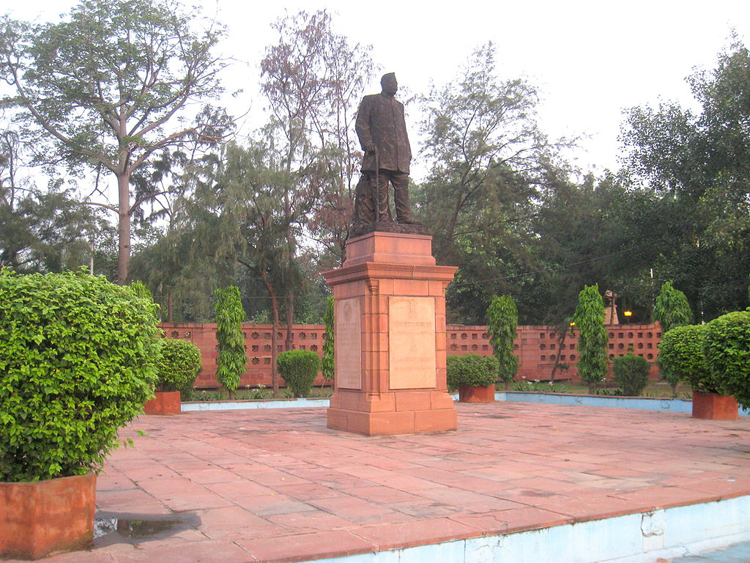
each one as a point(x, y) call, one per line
point(390, 337)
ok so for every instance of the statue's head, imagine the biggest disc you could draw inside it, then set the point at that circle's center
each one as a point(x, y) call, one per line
point(389, 84)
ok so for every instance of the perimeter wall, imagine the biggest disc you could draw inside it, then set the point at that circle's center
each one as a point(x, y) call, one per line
point(539, 348)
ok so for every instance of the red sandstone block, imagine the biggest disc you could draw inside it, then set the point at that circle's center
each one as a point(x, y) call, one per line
point(440, 400)
point(435, 420)
point(337, 419)
point(417, 288)
point(380, 402)
point(413, 401)
point(440, 305)
point(391, 423)
point(440, 323)
point(385, 287)
point(437, 288)
point(377, 342)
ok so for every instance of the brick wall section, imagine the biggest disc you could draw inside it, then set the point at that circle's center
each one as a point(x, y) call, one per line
point(538, 348)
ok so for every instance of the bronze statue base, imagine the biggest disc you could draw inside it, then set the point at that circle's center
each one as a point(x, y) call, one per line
point(389, 227)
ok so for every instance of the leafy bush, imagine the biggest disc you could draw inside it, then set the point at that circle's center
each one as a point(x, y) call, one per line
point(472, 370)
point(672, 308)
point(726, 346)
point(502, 321)
point(299, 368)
point(592, 341)
point(77, 361)
point(631, 374)
point(179, 365)
point(231, 361)
point(327, 365)
point(681, 357)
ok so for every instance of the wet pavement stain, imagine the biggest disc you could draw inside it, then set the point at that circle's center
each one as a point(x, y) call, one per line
point(137, 528)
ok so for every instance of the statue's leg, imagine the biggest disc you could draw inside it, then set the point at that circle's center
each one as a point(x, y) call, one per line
point(364, 204)
point(401, 196)
point(381, 196)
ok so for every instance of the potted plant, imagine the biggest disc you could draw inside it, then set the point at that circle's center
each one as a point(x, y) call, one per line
point(77, 363)
point(179, 365)
point(681, 357)
point(726, 347)
point(474, 376)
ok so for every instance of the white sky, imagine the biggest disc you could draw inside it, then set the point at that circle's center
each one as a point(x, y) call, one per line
point(589, 59)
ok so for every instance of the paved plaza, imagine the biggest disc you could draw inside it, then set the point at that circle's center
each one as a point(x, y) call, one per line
point(278, 485)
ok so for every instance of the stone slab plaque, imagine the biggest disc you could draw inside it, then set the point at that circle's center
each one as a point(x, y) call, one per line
point(348, 341)
point(411, 340)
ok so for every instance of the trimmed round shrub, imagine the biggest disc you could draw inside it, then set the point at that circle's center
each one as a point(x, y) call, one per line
point(726, 346)
point(681, 358)
point(631, 374)
point(299, 368)
point(179, 365)
point(77, 361)
point(472, 370)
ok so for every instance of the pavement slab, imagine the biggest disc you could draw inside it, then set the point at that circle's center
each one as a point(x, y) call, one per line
point(278, 485)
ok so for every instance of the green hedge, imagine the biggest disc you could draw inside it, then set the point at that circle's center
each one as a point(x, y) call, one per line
point(299, 368)
point(472, 370)
point(77, 361)
point(179, 365)
point(726, 346)
point(681, 358)
point(631, 374)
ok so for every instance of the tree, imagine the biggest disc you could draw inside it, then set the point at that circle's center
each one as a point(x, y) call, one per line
point(502, 320)
point(592, 339)
point(672, 308)
point(311, 77)
point(102, 89)
point(230, 363)
point(697, 162)
point(488, 161)
point(483, 145)
point(327, 365)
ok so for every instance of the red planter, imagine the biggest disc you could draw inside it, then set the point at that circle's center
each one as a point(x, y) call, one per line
point(165, 402)
point(37, 519)
point(476, 394)
point(712, 406)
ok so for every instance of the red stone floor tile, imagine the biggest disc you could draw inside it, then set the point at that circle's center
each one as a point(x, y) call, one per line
point(281, 486)
point(306, 546)
point(421, 532)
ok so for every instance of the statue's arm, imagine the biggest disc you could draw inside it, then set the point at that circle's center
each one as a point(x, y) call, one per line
point(362, 126)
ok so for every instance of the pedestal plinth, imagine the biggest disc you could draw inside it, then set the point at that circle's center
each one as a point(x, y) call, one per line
point(390, 337)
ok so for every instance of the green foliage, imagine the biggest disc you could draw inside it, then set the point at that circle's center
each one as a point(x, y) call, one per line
point(592, 342)
point(681, 358)
point(471, 370)
point(99, 88)
point(502, 321)
point(77, 361)
point(327, 366)
point(631, 374)
point(231, 361)
point(726, 346)
point(299, 368)
point(672, 308)
point(179, 365)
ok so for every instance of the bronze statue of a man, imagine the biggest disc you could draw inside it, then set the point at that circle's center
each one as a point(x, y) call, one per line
point(382, 134)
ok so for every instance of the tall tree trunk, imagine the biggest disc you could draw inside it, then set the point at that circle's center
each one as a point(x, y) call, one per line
point(275, 310)
point(289, 342)
point(170, 307)
point(123, 227)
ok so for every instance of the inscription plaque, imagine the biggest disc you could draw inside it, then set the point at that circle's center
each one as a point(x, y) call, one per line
point(411, 326)
point(348, 342)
